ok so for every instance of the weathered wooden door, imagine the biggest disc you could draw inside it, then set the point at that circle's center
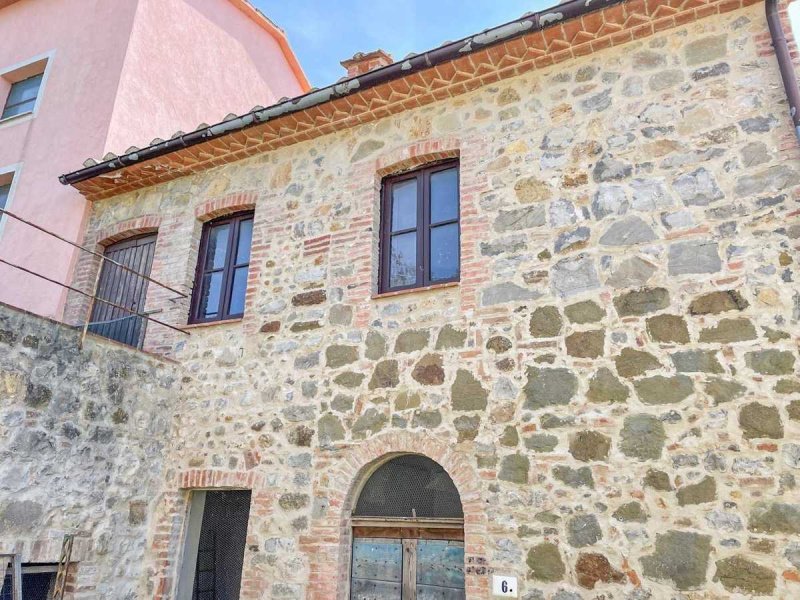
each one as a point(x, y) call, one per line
point(440, 570)
point(125, 289)
point(407, 569)
point(377, 572)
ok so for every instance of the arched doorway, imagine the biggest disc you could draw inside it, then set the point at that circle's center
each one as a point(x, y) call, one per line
point(408, 534)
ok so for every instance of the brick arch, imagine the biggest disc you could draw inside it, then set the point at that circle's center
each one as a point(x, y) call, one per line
point(415, 155)
point(219, 207)
point(128, 228)
point(328, 545)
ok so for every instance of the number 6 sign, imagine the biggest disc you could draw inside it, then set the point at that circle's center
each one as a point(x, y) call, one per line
point(504, 587)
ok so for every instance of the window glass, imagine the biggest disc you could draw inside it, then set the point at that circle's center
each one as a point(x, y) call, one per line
point(245, 241)
point(444, 196)
point(444, 252)
point(217, 246)
point(420, 242)
point(404, 205)
point(5, 190)
point(221, 280)
point(403, 259)
point(22, 96)
point(238, 290)
point(210, 294)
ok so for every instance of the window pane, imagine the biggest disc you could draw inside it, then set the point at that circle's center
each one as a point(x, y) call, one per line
point(217, 247)
point(404, 205)
point(403, 260)
point(444, 252)
point(245, 241)
point(444, 196)
point(24, 90)
point(5, 190)
point(237, 291)
point(19, 109)
point(210, 295)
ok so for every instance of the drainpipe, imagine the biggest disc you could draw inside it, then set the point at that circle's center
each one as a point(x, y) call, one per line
point(784, 62)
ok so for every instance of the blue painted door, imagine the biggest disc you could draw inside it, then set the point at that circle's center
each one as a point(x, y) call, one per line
point(440, 570)
point(394, 569)
point(377, 571)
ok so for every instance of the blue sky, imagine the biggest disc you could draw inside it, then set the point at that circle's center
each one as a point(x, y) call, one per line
point(325, 32)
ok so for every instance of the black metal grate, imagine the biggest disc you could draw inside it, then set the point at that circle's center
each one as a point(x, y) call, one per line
point(38, 585)
point(410, 486)
point(220, 550)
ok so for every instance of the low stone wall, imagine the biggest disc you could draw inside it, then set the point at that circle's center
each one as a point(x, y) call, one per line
point(82, 438)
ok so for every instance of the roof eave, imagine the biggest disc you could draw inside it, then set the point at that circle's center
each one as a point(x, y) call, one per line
point(490, 37)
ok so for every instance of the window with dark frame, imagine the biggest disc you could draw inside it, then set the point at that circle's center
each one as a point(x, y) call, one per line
point(22, 97)
point(224, 260)
point(420, 237)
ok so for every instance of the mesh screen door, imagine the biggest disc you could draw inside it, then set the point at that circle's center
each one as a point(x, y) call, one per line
point(215, 542)
point(408, 534)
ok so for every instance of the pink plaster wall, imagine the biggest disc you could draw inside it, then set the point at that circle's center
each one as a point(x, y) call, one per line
point(87, 39)
point(122, 73)
point(211, 53)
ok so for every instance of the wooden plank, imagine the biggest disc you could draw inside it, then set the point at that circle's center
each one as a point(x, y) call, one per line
point(368, 589)
point(428, 592)
point(412, 533)
point(123, 288)
point(409, 569)
point(440, 564)
point(377, 569)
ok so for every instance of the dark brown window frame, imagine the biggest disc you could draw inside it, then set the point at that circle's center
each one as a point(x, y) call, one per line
point(230, 266)
point(423, 227)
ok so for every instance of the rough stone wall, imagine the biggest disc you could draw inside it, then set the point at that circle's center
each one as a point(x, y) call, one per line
point(613, 384)
point(82, 435)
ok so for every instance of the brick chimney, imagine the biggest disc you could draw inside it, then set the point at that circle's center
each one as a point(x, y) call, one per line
point(363, 62)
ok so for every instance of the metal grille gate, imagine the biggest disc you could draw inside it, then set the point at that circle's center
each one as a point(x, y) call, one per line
point(125, 289)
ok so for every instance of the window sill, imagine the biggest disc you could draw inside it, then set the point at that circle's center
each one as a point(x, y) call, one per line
point(26, 116)
point(429, 288)
point(212, 323)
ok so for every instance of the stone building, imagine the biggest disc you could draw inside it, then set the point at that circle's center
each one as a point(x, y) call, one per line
point(592, 339)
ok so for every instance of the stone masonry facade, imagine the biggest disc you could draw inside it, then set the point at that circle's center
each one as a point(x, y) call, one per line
point(613, 384)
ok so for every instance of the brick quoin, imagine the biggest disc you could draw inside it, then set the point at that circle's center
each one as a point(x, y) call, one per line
point(339, 479)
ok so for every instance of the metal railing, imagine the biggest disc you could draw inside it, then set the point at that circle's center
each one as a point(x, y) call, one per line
point(93, 296)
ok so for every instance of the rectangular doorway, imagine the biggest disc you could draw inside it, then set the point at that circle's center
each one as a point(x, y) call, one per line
point(216, 536)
